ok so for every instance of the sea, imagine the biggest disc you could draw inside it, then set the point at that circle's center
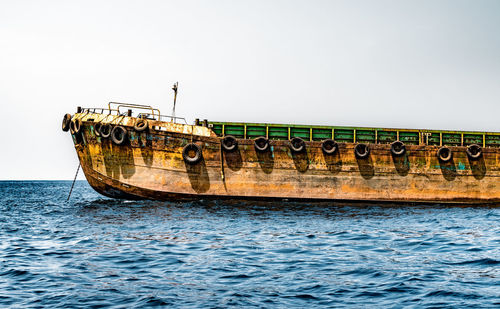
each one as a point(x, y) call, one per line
point(96, 252)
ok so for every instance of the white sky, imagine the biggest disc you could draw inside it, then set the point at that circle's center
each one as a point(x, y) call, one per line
point(417, 64)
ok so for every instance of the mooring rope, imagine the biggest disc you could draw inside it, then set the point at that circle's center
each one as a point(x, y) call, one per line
point(73, 184)
point(222, 163)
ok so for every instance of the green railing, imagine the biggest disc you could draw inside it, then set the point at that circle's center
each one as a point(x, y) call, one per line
point(355, 135)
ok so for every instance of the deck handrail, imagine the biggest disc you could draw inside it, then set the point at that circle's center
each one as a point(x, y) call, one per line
point(155, 112)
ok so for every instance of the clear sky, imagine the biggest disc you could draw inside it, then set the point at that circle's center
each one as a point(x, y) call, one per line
point(416, 64)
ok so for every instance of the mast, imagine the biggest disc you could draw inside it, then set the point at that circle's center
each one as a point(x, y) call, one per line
point(174, 88)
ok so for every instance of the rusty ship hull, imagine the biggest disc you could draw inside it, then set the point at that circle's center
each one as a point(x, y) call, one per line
point(150, 165)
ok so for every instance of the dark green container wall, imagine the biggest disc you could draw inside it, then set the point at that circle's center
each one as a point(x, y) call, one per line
point(217, 128)
point(344, 136)
point(235, 130)
point(470, 139)
point(303, 133)
point(434, 139)
point(365, 136)
point(452, 139)
point(492, 141)
point(256, 131)
point(359, 135)
point(320, 134)
point(279, 133)
point(387, 137)
point(410, 138)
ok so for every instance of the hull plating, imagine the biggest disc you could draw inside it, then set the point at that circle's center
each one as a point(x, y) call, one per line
point(150, 166)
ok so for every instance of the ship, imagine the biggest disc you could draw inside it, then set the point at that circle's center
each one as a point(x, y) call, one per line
point(132, 151)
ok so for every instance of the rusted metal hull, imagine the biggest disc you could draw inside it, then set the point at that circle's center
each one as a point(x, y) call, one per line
point(150, 166)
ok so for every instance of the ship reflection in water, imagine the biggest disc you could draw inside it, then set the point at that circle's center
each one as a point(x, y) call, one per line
point(102, 252)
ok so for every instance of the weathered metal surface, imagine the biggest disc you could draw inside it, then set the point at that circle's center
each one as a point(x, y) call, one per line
point(151, 166)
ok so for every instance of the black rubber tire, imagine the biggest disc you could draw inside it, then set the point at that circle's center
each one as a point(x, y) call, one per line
point(97, 128)
point(76, 126)
point(119, 135)
point(444, 154)
point(329, 146)
point(361, 151)
point(141, 125)
point(229, 143)
point(474, 151)
point(297, 144)
point(105, 130)
point(398, 148)
point(197, 153)
point(261, 144)
point(66, 122)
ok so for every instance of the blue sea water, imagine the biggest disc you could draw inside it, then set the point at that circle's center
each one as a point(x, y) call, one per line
point(98, 252)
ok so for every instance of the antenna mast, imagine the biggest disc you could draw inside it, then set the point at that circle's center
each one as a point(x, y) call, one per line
point(174, 88)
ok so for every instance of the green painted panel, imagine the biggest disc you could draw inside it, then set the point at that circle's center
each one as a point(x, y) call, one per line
point(452, 139)
point(410, 138)
point(321, 134)
point(470, 139)
point(492, 140)
point(300, 132)
point(344, 136)
point(234, 130)
point(387, 136)
point(217, 128)
point(365, 136)
point(434, 139)
point(279, 133)
point(256, 131)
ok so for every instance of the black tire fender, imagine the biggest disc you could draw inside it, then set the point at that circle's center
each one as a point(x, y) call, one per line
point(474, 151)
point(229, 143)
point(141, 125)
point(361, 150)
point(297, 144)
point(398, 148)
point(261, 144)
point(105, 130)
point(66, 122)
point(444, 154)
point(76, 126)
point(119, 135)
point(97, 128)
point(186, 153)
point(329, 146)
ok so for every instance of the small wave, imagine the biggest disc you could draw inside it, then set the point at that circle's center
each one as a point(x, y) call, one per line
point(475, 249)
point(370, 294)
point(18, 275)
point(340, 292)
point(444, 293)
point(15, 273)
point(400, 288)
point(240, 276)
point(396, 289)
point(361, 272)
point(287, 250)
point(153, 301)
point(314, 287)
point(303, 296)
point(480, 262)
